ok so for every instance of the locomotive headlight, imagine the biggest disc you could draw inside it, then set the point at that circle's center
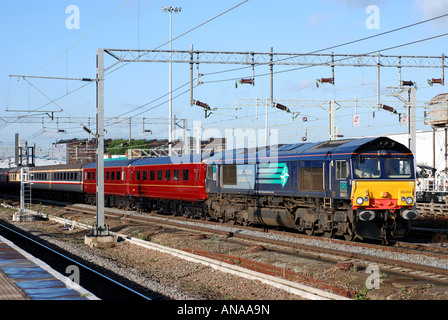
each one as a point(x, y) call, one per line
point(359, 200)
point(366, 199)
point(409, 200)
point(403, 199)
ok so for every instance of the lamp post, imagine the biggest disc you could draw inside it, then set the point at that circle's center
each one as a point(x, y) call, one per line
point(170, 112)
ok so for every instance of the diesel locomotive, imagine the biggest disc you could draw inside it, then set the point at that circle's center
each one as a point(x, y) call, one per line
point(353, 188)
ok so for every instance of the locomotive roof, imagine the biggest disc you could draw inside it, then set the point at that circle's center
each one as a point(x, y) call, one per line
point(323, 149)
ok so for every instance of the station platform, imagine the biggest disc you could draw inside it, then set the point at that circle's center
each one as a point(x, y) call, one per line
point(24, 277)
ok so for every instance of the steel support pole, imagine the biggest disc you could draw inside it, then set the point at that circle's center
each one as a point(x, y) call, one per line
point(191, 75)
point(22, 190)
point(411, 121)
point(271, 67)
point(333, 134)
point(170, 111)
point(378, 82)
point(100, 227)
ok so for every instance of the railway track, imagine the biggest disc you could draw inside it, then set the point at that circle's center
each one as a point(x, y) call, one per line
point(95, 281)
point(330, 250)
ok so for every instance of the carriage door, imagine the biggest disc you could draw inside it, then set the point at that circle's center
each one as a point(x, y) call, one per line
point(340, 183)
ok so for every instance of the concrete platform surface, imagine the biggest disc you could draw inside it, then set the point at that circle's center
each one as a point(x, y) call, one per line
point(24, 277)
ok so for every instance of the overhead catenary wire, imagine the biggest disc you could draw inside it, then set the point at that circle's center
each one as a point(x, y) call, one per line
point(177, 37)
point(83, 37)
point(354, 41)
point(305, 67)
point(343, 44)
point(443, 35)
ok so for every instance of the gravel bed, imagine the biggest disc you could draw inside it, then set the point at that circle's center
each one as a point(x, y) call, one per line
point(173, 278)
point(165, 277)
point(414, 258)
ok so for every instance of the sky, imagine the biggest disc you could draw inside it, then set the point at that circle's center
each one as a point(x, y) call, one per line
point(60, 38)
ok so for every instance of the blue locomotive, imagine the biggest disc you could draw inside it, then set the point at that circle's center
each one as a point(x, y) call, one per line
point(357, 188)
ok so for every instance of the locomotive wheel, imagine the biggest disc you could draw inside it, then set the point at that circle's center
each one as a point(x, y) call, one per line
point(329, 234)
point(310, 231)
point(348, 237)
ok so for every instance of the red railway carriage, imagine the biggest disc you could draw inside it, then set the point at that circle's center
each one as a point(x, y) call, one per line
point(148, 183)
point(116, 182)
point(161, 179)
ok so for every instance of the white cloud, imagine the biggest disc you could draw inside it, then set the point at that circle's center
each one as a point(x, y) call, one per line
point(432, 8)
point(316, 18)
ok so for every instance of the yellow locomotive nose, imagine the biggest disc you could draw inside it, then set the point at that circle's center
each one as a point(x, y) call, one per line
point(387, 194)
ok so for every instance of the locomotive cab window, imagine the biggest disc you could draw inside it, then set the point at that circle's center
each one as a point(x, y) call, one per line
point(342, 171)
point(209, 172)
point(398, 168)
point(366, 167)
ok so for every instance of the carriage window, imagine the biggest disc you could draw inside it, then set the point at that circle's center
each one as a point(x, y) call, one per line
point(107, 175)
point(151, 175)
point(93, 175)
point(185, 173)
point(88, 175)
point(176, 174)
point(112, 175)
point(197, 174)
point(137, 175)
point(118, 175)
point(367, 167)
point(229, 174)
point(159, 175)
point(145, 175)
point(398, 168)
point(341, 169)
point(167, 175)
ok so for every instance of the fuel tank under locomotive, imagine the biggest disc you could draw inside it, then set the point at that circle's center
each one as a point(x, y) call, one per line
point(241, 213)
